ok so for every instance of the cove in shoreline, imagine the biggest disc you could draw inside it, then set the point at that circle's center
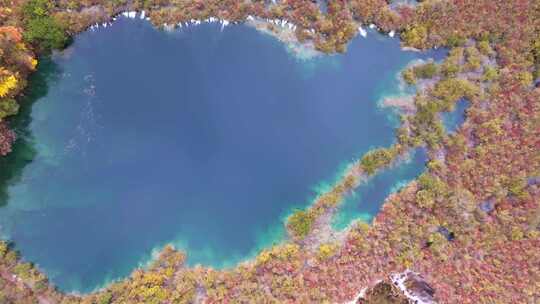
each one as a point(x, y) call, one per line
point(134, 126)
point(365, 202)
point(454, 119)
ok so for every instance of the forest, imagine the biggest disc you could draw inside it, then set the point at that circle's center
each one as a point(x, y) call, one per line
point(466, 231)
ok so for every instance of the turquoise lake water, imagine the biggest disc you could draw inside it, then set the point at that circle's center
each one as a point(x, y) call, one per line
point(454, 119)
point(135, 137)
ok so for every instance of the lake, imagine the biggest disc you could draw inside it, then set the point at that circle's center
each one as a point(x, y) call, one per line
point(136, 137)
point(365, 202)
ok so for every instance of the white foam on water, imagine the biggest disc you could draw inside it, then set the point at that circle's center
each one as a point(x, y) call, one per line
point(168, 27)
point(224, 23)
point(359, 296)
point(362, 32)
point(399, 281)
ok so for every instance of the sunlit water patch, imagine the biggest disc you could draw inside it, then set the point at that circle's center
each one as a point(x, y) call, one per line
point(207, 139)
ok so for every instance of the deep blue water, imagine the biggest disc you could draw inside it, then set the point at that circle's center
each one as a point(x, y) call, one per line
point(136, 137)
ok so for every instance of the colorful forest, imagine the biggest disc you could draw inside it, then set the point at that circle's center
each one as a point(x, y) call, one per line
point(466, 231)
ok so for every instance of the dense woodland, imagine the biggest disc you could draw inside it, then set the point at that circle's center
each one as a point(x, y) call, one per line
point(469, 225)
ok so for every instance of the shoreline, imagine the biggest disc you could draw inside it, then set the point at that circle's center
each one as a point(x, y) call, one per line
point(371, 261)
point(284, 32)
point(324, 223)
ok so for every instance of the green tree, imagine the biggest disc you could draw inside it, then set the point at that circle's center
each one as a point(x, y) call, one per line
point(415, 36)
point(377, 159)
point(41, 29)
point(105, 298)
point(490, 74)
point(409, 76)
point(455, 41)
point(425, 71)
point(8, 107)
point(300, 222)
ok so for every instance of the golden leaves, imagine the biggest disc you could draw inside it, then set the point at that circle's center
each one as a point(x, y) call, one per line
point(7, 84)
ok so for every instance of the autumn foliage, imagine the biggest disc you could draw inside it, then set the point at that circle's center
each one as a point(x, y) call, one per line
point(469, 224)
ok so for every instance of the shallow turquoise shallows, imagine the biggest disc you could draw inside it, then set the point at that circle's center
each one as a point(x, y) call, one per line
point(136, 137)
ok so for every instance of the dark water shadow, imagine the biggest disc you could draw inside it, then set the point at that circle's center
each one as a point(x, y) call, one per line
point(23, 150)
